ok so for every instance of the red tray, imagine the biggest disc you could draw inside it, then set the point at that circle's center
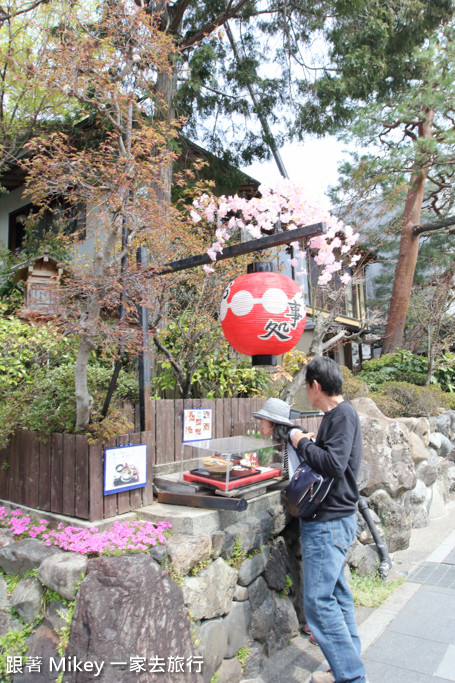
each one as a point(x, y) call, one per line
point(233, 483)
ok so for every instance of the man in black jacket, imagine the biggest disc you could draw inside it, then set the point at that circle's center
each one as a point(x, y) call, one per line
point(329, 607)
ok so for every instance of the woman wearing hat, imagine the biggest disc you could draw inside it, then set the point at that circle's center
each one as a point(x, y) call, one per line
point(274, 421)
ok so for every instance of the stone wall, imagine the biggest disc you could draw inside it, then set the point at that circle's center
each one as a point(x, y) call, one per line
point(408, 472)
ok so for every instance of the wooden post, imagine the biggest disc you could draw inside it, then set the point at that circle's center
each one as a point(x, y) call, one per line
point(145, 408)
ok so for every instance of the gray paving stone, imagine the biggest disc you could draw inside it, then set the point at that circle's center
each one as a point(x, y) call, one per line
point(412, 653)
point(450, 559)
point(421, 573)
point(440, 627)
point(381, 672)
point(433, 573)
point(431, 600)
point(446, 668)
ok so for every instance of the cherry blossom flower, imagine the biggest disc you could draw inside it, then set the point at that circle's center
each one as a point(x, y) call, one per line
point(287, 202)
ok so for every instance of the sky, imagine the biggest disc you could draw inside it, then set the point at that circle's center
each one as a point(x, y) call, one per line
point(313, 164)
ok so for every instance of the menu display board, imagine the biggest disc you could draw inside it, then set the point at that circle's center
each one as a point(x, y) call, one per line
point(197, 424)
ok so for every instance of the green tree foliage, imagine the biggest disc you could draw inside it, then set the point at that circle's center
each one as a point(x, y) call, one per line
point(403, 399)
point(370, 43)
point(26, 349)
point(408, 168)
point(307, 62)
point(399, 366)
point(26, 105)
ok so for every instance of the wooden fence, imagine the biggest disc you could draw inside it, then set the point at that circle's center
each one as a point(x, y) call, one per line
point(65, 474)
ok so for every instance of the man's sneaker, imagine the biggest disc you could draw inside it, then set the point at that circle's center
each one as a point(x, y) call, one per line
point(323, 677)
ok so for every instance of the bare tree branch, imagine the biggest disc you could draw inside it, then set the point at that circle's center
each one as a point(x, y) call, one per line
point(6, 15)
point(431, 227)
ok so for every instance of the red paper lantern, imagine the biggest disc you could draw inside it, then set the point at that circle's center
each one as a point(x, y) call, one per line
point(262, 315)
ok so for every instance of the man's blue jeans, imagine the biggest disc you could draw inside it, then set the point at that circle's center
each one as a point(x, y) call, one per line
point(328, 603)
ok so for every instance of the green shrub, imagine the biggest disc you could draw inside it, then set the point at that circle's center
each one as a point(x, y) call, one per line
point(410, 400)
point(353, 387)
point(444, 372)
point(53, 409)
point(220, 373)
point(386, 404)
point(48, 403)
point(26, 349)
point(401, 366)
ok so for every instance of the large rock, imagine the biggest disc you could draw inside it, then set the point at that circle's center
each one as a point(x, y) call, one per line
point(397, 529)
point(387, 450)
point(210, 594)
point(9, 623)
point(443, 477)
point(419, 426)
point(252, 567)
point(441, 444)
point(129, 607)
point(419, 517)
point(262, 622)
point(273, 623)
point(363, 558)
point(25, 555)
point(451, 477)
point(442, 423)
point(286, 623)
point(6, 537)
point(230, 671)
point(187, 551)
point(415, 497)
point(212, 645)
point(237, 623)
point(427, 471)
point(63, 573)
point(284, 571)
point(26, 599)
point(217, 539)
point(42, 646)
point(276, 570)
point(258, 592)
point(279, 519)
point(251, 535)
point(418, 449)
point(368, 408)
point(437, 505)
point(254, 661)
point(4, 600)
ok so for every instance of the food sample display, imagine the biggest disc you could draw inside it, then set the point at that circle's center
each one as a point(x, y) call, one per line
point(231, 462)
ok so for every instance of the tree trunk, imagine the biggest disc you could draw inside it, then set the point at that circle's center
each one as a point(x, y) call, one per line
point(166, 88)
point(409, 249)
point(84, 400)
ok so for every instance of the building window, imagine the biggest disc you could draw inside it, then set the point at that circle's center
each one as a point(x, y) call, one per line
point(74, 217)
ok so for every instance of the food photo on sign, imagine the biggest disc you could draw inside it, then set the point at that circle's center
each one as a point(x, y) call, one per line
point(125, 467)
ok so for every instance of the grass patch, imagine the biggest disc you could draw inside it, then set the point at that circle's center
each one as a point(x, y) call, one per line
point(371, 590)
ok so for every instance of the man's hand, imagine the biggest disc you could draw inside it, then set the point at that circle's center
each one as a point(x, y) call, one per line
point(297, 434)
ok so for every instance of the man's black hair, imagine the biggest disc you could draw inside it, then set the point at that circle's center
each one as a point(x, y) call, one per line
point(325, 371)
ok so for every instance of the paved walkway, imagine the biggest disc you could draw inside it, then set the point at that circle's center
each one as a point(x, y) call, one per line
point(418, 645)
point(411, 637)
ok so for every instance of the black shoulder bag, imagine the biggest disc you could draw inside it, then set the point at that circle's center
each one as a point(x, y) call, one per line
point(305, 492)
